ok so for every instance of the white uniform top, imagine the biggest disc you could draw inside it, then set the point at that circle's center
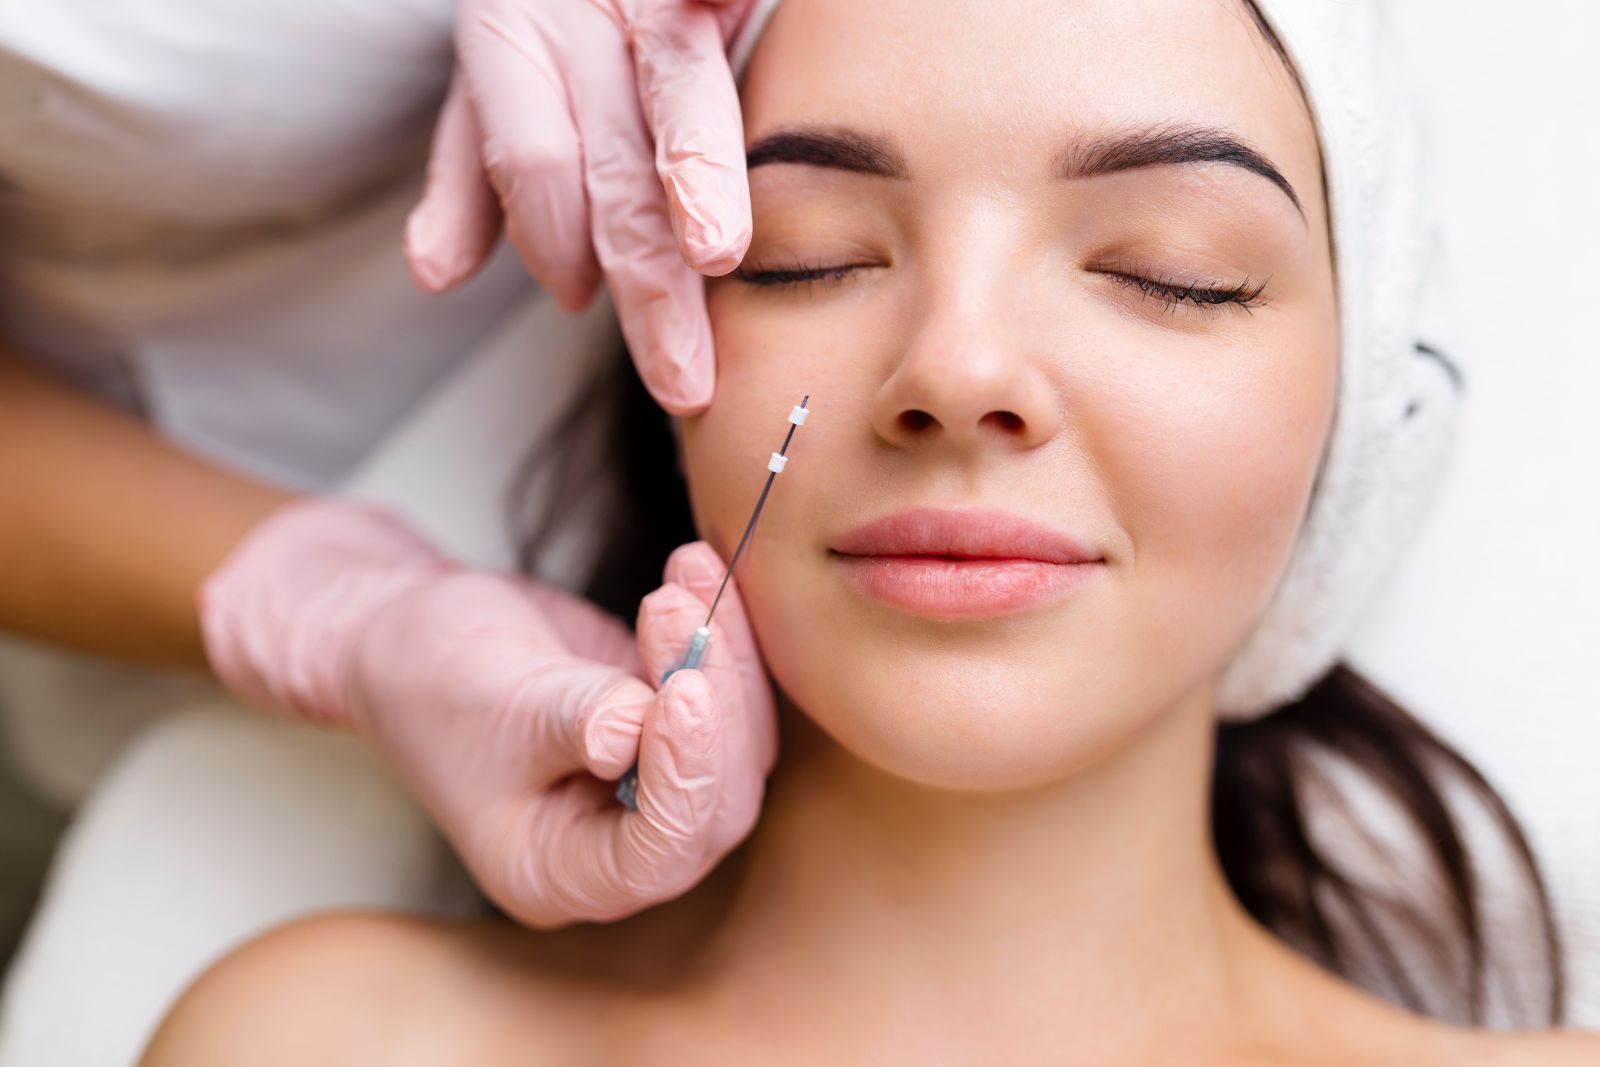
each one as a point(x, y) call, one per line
point(201, 215)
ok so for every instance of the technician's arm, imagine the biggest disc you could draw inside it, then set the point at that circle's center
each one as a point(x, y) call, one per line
point(485, 690)
point(105, 529)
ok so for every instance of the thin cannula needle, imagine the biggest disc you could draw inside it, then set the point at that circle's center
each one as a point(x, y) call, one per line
point(751, 525)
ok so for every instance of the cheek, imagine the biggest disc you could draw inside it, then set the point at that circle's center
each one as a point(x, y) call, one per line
point(722, 448)
point(1210, 475)
point(771, 353)
point(715, 468)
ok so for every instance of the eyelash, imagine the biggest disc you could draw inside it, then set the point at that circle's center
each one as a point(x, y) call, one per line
point(1171, 292)
point(797, 274)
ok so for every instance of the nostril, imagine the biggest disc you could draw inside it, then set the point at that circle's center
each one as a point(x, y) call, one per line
point(916, 420)
point(1008, 421)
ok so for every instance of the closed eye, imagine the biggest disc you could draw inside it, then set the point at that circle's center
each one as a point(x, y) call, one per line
point(799, 274)
point(1171, 292)
point(1206, 298)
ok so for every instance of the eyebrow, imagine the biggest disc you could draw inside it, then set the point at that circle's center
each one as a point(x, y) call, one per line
point(829, 146)
point(839, 148)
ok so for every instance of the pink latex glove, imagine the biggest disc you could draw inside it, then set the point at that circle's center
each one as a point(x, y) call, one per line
point(605, 136)
point(510, 708)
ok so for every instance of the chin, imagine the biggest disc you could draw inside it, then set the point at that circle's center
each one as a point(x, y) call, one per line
point(982, 715)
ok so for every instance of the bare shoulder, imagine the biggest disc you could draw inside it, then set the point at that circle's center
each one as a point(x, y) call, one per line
point(1331, 1021)
point(348, 988)
point(1452, 1045)
point(1471, 1047)
point(1551, 1048)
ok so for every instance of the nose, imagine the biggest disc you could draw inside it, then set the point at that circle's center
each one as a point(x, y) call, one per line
point(962, 382)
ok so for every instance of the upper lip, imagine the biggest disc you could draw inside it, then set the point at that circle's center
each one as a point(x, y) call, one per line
point(964, 534)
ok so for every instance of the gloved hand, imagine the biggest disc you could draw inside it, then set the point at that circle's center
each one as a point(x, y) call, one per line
point(510, 708)
point(550, 125)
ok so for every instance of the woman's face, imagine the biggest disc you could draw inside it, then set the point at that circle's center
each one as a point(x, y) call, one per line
point(960, 210)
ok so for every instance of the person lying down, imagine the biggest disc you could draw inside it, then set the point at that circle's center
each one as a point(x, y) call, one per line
point(1060, 281)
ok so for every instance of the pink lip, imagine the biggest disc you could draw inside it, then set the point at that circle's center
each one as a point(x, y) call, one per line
point(963, 564)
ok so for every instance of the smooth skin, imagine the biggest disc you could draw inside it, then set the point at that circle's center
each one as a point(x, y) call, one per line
point(985, 842)
point(106, 528)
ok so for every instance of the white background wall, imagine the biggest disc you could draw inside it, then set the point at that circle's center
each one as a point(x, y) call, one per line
point(1493, 633)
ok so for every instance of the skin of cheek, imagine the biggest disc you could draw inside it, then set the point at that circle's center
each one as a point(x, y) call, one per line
point(1200, 455)
point(1211, 471)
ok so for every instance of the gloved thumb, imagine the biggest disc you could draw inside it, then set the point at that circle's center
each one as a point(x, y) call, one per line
point(582, 716)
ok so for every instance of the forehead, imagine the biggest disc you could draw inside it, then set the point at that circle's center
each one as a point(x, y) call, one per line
point(1018, 77)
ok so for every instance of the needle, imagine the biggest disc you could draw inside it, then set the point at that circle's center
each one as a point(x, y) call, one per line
point(628, 787)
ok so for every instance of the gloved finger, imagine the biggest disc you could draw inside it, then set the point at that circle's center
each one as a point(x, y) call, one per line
point(668, 839)
point(530, 147)
point(585, 629)
point(599, 861)
point(730, 15)
point(659, 299)
point(575, 715)
point(668, 618)
point(691, 106)
point(697, 568)
point(455, 225)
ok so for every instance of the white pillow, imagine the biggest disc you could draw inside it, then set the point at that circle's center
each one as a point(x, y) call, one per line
point(1490, 634)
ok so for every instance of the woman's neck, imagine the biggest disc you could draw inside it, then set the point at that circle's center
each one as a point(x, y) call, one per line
point(1091, 907)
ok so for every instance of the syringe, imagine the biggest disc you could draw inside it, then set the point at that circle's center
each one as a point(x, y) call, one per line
point(628, 787)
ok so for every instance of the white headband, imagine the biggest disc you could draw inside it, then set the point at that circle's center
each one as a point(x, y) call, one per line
point(1394, 427)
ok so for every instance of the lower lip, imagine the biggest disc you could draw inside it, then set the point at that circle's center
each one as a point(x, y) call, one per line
point(942, 588)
